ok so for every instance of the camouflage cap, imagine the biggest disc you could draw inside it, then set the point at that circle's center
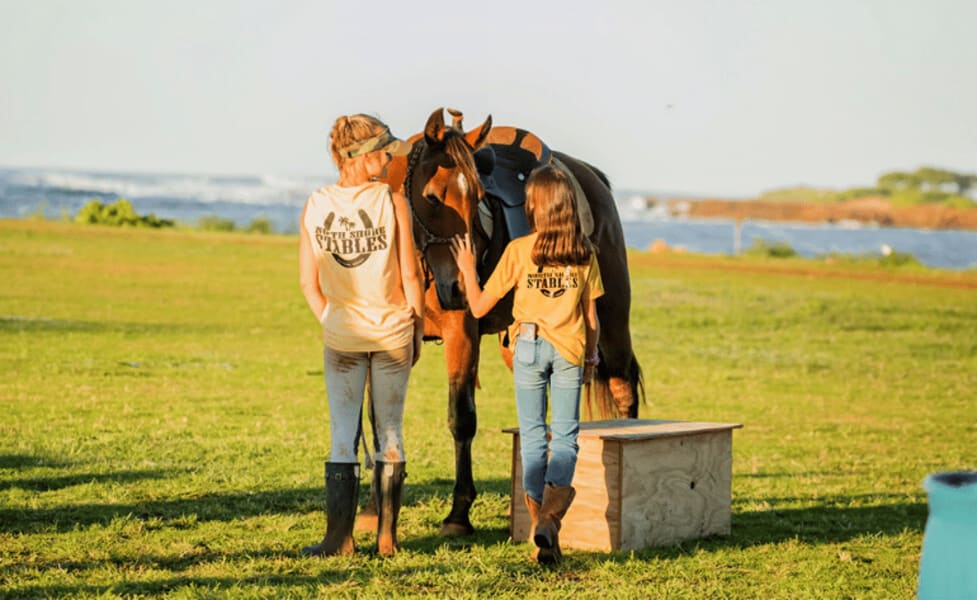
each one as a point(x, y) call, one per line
point(382, 141)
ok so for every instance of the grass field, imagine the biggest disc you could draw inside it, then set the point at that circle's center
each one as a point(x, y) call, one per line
point(164, 426)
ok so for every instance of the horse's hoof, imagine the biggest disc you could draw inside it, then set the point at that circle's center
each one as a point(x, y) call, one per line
point(456, 529)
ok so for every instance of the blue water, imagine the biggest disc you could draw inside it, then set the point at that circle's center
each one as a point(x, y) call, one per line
point(945, 248)
point(187, 197)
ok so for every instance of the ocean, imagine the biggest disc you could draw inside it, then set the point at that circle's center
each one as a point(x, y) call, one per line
point(186, 198)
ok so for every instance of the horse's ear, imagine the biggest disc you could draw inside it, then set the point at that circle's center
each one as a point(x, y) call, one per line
point(476, 137)
point(434, 130)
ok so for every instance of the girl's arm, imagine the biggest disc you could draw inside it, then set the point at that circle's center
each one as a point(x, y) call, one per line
point(409, 270)
point(309, 272)
point(593, 334)
point(479, 302)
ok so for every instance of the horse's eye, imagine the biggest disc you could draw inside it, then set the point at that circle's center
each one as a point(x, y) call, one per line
point(432, 199)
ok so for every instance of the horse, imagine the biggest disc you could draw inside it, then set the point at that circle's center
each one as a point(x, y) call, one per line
point(441, 181)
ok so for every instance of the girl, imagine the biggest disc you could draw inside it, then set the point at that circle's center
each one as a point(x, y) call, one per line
point(556, 279)
point(359, 276)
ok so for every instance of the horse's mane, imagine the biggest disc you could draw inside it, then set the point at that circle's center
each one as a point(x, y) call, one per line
point(461, 154)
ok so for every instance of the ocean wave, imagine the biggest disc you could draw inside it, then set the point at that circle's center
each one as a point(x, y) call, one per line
point(255, 190)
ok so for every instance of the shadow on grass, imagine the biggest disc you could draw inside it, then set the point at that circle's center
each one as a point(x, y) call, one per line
point(14, 323)
point(46, 484)
point(209, 507)
point(23, 461)
point(281, 583)
point(811, 525)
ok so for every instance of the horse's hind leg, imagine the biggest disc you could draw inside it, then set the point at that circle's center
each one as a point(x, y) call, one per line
point(461, 354)
point(619, 374)
point(367, 519)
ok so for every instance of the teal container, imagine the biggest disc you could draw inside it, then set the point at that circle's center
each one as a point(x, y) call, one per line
point(948, 567)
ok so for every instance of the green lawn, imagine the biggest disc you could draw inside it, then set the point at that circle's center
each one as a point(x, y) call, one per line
point(164, 426)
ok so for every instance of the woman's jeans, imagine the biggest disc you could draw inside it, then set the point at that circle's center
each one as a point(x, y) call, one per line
point(536, 364)
point(346, 374)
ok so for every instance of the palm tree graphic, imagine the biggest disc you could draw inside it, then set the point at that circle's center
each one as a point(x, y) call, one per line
point(345, 222)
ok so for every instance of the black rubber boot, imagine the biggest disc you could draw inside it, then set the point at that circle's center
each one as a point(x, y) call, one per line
point(390, 483)
point(342, 491)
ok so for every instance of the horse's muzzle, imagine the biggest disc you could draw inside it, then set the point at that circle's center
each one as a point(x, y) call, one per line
point(450, 296)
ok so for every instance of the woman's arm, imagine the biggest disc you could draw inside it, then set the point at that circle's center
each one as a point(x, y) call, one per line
point(409, 269)
point(309, 272)
point(479, 302)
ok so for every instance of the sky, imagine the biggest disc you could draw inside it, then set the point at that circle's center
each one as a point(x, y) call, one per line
point(709, 97)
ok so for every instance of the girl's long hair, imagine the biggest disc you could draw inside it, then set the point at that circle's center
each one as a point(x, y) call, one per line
point(551, 208)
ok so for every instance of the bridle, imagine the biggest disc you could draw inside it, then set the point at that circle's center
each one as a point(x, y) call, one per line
point(429, 236)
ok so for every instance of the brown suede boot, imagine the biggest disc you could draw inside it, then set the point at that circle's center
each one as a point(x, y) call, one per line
point(342, 489)
point(390, 483)
point(533, 507)
point(556, 502)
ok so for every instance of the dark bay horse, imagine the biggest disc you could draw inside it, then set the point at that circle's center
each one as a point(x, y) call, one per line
point(441, 182)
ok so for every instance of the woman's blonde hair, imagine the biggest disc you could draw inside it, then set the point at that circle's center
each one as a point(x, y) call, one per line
point(348, 130)
point(551, 208)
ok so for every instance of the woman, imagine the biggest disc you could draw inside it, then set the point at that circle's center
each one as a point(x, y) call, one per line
point(556, 279)
point(359, 276)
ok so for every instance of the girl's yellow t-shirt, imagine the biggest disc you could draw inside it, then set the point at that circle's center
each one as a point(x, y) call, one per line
point(354, 239)
point(553, 298)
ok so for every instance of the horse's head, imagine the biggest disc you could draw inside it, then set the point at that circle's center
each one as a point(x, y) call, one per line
point(443, 189)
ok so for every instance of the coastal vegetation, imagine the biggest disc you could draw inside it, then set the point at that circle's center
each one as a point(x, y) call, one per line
point(121, 213)
point(165, 425)
point(118, 213)
point(924, 186)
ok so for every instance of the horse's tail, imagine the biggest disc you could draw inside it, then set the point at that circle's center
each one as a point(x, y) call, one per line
point(616, 394)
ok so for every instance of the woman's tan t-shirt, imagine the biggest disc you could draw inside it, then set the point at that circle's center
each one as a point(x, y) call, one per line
point(354, 237)
point(552, 297)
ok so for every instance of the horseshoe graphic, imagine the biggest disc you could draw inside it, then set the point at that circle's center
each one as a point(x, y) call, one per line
point(553, 293)
point(359, 259)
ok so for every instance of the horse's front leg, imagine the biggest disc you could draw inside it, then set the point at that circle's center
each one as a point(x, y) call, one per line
point(460, 335)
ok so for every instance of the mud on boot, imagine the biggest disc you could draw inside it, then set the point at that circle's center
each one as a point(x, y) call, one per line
point(342, 491)
point(390, 484)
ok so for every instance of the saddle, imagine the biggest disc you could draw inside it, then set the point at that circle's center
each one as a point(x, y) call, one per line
point(504, 164)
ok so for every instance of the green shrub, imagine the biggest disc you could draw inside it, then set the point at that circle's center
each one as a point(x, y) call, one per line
point(762, 247)
point(215, 223)
point(260, 225)
point(961, 202)
point(39, 211)
point(118, 213)
point(861, 192)
point(893, 259)
point(898, 259)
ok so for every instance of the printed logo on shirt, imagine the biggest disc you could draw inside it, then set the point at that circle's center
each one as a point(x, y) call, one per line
point(552, 283)
point(349, 244)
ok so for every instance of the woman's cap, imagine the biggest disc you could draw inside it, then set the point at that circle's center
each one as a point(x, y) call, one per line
point(382, 141)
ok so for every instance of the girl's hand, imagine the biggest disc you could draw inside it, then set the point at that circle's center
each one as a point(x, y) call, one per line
point(588, 374)
point(461, 249)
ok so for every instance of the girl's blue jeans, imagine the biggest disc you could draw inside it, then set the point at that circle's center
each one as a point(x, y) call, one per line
point(535, 365)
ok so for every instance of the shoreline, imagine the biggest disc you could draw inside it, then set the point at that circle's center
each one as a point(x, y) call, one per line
point(866, 211)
